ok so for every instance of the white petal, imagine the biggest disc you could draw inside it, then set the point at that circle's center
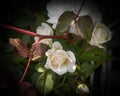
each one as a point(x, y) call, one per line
point(60, 71)
point(71, 56)
point(57, 7)
point(48, 63)
point(56, 45)
point(71, 67)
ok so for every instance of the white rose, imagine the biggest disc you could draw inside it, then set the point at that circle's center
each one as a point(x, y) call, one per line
point(44, 29)
point(100, 35)
point(60, 61)
point(57, 7)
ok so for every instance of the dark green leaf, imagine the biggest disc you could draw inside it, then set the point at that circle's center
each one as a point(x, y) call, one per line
point(85, 27)
point(92, 55)
point(86, 70)
point(64, 22)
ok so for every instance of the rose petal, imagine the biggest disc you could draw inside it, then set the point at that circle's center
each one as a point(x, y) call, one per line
point(71, 67)
point(56, 45)
point(60, 71)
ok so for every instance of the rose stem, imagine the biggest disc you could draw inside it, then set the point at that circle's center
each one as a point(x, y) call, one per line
point(77, 15)
point(26, 68)
point(31, 33)
point(20, 30)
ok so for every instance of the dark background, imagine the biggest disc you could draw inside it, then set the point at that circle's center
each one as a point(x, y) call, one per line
point(106, 78)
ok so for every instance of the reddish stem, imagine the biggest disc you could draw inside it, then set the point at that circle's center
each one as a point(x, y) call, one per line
point(26, 68)
point(20, 30)
point(31, 33)
point(40, 38)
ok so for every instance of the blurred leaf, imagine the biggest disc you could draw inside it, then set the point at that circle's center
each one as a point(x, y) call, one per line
point(19, 46)
point(78, 67)
point(64, 22)
point(34, 77)
point(85, 27)
point(86, 70)
point(45, 82)
point(92, 55)
point(39, 50)
point(14, 58)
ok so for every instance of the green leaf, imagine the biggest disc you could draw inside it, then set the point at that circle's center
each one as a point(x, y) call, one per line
point(45, 82)
point(86, 70)
point(92, 55)
point(34, 77)
point(64, 22)
point(85, 27)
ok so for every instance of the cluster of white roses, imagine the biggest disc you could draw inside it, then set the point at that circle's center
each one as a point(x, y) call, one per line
point(59, 60)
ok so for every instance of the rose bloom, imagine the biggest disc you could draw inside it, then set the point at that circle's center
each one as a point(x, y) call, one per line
point(100, 35)
point(44, 29)
point(57, 7)
point(59, 60)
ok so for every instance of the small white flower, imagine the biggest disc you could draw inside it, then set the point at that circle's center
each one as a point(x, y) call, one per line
point(44, 29)
point(59, 60)
point(100, 35)
point(57, 7)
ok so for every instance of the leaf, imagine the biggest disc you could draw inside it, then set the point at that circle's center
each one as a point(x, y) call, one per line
point(92, 55)
point(45, 82)
point(86, 70)
point(39, 50)
point(64, 22)
point(34, 77)
point(85, 26)
point(20, 47)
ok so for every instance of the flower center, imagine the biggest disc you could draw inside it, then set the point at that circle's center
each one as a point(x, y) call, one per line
point(58, 59)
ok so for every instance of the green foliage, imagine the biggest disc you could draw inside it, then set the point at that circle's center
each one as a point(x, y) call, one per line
point(86, 70)
point(85, 27)
point(64, 22)
point(45, 82)
point(88, 57)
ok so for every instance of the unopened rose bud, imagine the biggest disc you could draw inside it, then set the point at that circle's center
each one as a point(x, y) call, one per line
point(82, 89)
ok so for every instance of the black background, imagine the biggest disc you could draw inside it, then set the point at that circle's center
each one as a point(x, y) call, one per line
point(110, 10)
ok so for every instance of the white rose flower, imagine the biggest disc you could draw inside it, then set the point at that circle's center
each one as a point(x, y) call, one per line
point(57, 7)
point(60, 61)
point(100, 35)
point(44, 29)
